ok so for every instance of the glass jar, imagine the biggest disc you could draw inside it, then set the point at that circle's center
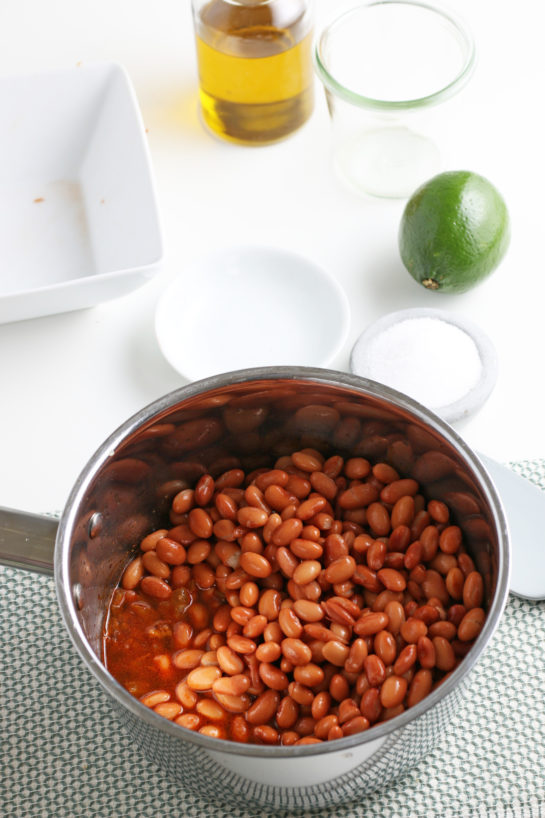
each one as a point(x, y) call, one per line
point(255, 67)
point(391, 70)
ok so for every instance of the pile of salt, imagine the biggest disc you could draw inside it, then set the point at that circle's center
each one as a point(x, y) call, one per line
point(432, 357)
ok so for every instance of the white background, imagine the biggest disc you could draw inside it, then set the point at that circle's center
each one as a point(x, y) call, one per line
point(67, 381)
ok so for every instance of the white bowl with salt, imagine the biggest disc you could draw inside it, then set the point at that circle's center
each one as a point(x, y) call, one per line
point(440, 359)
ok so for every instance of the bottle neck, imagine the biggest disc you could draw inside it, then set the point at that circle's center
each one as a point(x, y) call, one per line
point(236, 17)
point(250, 2)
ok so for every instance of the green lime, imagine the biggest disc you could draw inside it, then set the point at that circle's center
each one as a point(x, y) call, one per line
point(454, 231)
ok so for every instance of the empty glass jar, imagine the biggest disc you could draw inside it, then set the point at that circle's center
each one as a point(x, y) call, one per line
point(390, 68)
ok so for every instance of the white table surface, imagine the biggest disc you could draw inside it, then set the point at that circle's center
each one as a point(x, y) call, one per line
point(67, 381)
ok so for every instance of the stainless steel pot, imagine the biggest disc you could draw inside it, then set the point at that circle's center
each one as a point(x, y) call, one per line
point(250, 418)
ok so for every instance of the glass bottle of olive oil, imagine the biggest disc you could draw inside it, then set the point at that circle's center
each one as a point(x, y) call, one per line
point(255, 67)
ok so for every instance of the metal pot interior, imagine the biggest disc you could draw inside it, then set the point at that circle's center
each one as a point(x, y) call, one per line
point(248, 419)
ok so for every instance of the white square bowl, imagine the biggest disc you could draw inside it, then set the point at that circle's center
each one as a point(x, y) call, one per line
point(78, 212)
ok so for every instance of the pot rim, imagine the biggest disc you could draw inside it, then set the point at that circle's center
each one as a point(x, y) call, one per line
point(281, 373)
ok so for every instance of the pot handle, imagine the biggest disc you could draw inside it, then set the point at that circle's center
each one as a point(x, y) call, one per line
point(27, 540)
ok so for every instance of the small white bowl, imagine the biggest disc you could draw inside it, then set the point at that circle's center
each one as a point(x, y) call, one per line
point(78, 212)
point(251, 306)
point(438, 358)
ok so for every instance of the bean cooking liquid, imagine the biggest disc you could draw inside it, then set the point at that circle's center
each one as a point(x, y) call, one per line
point(255, 68)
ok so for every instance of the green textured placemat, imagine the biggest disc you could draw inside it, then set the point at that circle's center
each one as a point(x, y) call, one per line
point(63, 753)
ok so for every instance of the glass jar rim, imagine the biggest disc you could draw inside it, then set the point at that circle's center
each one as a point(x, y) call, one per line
point(362, 101)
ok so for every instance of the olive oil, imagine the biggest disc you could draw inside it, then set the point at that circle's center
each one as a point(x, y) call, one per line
point(255, 68)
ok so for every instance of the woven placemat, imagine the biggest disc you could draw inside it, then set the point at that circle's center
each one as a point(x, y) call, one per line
point(64, 754)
